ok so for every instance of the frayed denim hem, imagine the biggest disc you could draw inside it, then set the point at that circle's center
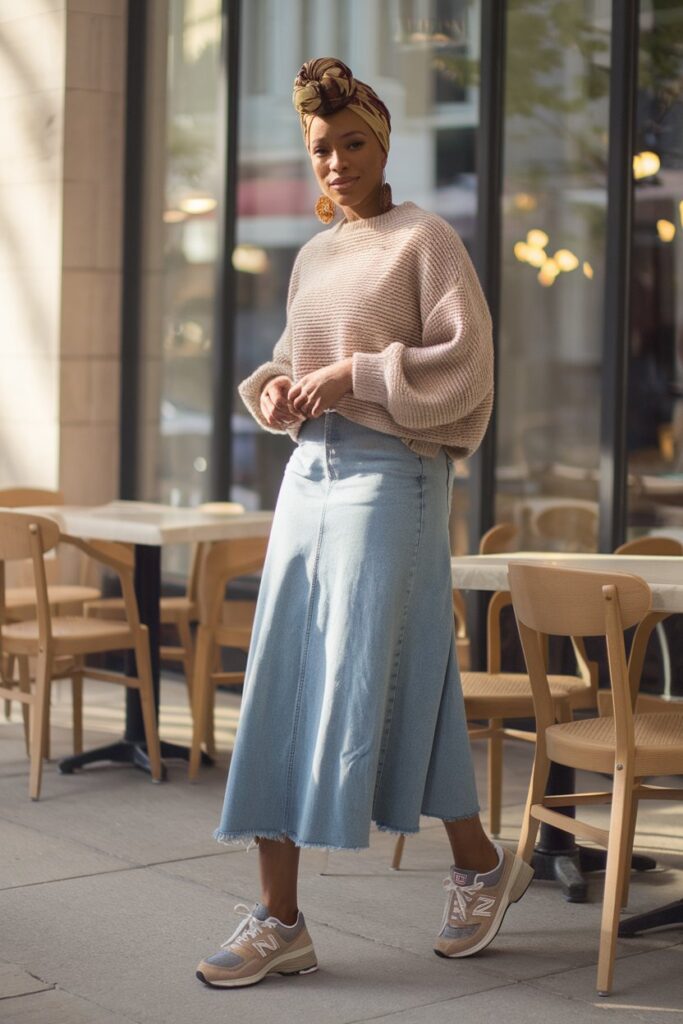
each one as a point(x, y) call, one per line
point(248, 839)
point(459, 817)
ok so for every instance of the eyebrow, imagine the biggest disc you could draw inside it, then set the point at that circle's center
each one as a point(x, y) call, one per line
point(356, 131)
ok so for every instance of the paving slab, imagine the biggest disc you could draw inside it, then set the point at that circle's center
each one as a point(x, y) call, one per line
point(650, 983)
point(130, 942)
point(15, 981)
point(57, 1007)
point(28, 859)
point(516, 1004)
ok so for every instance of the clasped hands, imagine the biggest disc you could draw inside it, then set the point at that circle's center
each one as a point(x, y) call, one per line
point(283, 404)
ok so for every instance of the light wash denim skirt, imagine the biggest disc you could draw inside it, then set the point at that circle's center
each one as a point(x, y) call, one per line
point(352, 709)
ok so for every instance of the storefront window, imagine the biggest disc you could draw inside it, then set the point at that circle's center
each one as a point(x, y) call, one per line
point(180, 247)
point(655, 389)
point(553, 252)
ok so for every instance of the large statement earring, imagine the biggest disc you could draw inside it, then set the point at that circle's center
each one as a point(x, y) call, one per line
point(325, 209)
point(386, 200)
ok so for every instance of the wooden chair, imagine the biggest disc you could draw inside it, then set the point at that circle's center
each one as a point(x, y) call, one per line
point(180, 611)
point(50, 638)
point(565, 602)
point(221, 624)
point(494, 695)
point(20, 601)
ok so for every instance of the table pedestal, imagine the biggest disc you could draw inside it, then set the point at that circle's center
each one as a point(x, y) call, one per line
point(672, 913)
point(556, 856)
point(132, 749)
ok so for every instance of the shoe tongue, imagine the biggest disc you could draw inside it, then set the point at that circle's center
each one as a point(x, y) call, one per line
point(461, 877)
point(261, 912)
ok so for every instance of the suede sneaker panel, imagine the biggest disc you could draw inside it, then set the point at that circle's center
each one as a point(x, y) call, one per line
point(476, 904)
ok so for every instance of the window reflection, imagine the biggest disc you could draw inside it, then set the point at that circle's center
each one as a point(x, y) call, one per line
point(553, 244)
point(180, 250)
point(655, 405)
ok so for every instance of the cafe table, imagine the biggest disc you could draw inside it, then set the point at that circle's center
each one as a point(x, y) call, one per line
point(148, 527)
point(556, 856)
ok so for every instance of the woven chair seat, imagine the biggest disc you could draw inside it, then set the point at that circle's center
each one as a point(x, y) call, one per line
point(589, 744)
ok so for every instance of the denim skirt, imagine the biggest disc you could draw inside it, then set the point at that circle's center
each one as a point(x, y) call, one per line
point(352, 709)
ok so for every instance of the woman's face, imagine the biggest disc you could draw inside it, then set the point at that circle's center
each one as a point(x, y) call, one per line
point(348, 162)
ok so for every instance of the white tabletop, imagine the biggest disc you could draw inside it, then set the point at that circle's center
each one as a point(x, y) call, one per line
point(137, 522)
point(489, 572)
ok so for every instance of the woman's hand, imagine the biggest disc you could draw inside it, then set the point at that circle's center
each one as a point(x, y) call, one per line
point(277, 411)
point(322, 389)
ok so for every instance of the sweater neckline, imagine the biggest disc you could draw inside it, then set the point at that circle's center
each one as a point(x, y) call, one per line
point(381, 220)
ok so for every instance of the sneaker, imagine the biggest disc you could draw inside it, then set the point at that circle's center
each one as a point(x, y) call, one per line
point(261, 945)
point(476, 904)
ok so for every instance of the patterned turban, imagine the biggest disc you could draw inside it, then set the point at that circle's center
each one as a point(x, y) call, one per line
point(326, 85)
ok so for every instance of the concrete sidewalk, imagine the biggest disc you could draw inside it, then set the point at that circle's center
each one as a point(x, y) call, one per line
point(113, 889)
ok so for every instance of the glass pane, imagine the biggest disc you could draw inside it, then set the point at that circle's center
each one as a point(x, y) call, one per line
point(422, 57)
point(553, 253)
point(655, 395)
point(180, 250)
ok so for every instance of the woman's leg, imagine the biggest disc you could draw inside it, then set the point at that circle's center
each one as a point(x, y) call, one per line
point(279, 864)
point(472, 848)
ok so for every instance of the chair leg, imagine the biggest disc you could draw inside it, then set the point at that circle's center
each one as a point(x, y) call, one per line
point(210, 728)
point(398, 853)
point(144, 669)
point(40, 710)
point(7, 674)
point(629, 850)
point(201, 685)
point(25, 687)
point(495, 779)
point(77, 705)
point(537, 787)
point(619, 833)
point(185, 635)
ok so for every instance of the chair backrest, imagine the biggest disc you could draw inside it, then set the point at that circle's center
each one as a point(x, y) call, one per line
point(24, 536)
point(500, 539)
point(221, 508)
point(657, 546)
point(16, 497)
point(551, 601)
point(19, 541)
point(222, 561)
point(568, 527)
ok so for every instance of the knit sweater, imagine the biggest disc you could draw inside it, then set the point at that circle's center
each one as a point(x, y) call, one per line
point(399, 294)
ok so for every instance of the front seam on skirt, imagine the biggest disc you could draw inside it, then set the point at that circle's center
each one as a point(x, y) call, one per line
point(397, 659)
point(304, 658)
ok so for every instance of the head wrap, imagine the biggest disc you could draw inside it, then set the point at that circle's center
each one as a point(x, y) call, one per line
point(326, 85)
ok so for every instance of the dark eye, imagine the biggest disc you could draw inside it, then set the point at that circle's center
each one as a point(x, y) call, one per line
point(358, 142)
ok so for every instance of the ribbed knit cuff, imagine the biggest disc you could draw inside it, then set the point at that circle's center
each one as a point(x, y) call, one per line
point(369, 383)
point(250, 393)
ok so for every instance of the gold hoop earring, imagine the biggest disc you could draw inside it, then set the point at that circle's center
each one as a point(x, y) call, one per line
point(325, 209)
point(386, 200)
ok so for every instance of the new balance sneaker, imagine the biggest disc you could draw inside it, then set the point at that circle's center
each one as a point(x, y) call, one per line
point(261, 945)
point(476, 904)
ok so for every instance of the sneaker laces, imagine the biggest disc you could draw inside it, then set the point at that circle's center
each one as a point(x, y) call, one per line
point(247, 929)
point(463, 896)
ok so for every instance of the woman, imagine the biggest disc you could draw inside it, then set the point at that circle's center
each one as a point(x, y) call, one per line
point(352, 709)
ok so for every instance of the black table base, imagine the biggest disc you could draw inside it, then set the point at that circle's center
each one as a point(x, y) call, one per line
point(670, 914)
point(556, 856)
point(127, 752)
point(132, 749)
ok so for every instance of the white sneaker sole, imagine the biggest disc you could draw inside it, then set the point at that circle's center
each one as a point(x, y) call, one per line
point(519, 881)
point(285, 964)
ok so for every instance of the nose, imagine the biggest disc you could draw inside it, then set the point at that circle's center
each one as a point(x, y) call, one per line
point(338, 161)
